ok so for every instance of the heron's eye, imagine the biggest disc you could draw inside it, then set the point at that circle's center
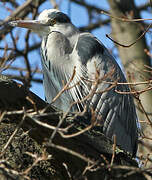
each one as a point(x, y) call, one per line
point(52, 22)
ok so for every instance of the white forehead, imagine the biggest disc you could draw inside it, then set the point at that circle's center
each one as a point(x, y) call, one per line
point(46, 13)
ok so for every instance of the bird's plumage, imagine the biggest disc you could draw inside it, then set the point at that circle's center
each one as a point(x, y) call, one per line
point(87, 53)
point(64, 48)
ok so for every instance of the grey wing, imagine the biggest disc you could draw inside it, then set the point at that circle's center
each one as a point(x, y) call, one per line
point(117, 111)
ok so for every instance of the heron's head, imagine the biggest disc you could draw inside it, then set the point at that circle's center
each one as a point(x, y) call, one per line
point(47, 21)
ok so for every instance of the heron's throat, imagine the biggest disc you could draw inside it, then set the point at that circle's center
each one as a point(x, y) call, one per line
point(68, 30)
point(56, 46)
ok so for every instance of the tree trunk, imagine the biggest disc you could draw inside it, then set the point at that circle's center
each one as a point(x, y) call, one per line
point(133, 58)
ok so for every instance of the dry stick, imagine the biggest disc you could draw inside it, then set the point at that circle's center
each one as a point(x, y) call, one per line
point(22, 79)
point(14, 40)
point(59, 124)
point(45, 124)
point(140, 104)
point(27, 63)
point(124, 19)
point(17, 11)
point(92, 165)
point(20, 52)
point(129, 83)
point(135, 92)
point(33, 103)
point(107, 89)
point(4, 65)
point(92, 26)
point(2, 115)
point(147, 176)
point(127, 20)
point(90, 168)
point(77, 133)
point(104, 158)
point(125, 167)
point(65, 87)
point(135, 171)
point(26, 60)
point(148, 67)
point(57, 96)
point(146, 160)
point(106, 76)
point(74, 85)
point(127, 46)
point(87, 5)
point(96, 82)
point(35, 70)
point(71, 152)
point(62, 90)
point(67, 169)
point(20, 112)
point(149, 121)
point(92, 92)
point(140, 121)
point(145, 137)
point(93, 123)
point(37, 160)
point(79, 113)
point(114, 149)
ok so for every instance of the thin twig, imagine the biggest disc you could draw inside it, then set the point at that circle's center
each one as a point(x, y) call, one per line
point(17, 11)
point(127, 46)
point(46, 125)
point(135, 92)
point(114, 149)
point(77, 133)
point(2, 116)
point(71, 152)
point(143, 109)
point(125, 19)
point(65, 87)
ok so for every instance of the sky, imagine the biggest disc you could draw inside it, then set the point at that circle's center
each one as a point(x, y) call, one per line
point(79, 18)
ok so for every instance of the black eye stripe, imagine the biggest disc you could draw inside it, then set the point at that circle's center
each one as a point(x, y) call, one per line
point(59, 17)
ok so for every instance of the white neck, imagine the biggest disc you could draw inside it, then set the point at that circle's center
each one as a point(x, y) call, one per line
point(68, 30)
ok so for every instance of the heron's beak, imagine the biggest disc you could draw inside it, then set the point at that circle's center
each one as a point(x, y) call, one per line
point(34, 25)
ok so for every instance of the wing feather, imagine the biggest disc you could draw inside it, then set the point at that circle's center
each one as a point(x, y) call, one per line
point(117, 110)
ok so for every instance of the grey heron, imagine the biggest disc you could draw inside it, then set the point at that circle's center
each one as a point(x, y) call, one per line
point(64, 48)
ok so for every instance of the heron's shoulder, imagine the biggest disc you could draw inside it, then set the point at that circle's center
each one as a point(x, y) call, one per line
point(89, 40)
point(88, 46)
